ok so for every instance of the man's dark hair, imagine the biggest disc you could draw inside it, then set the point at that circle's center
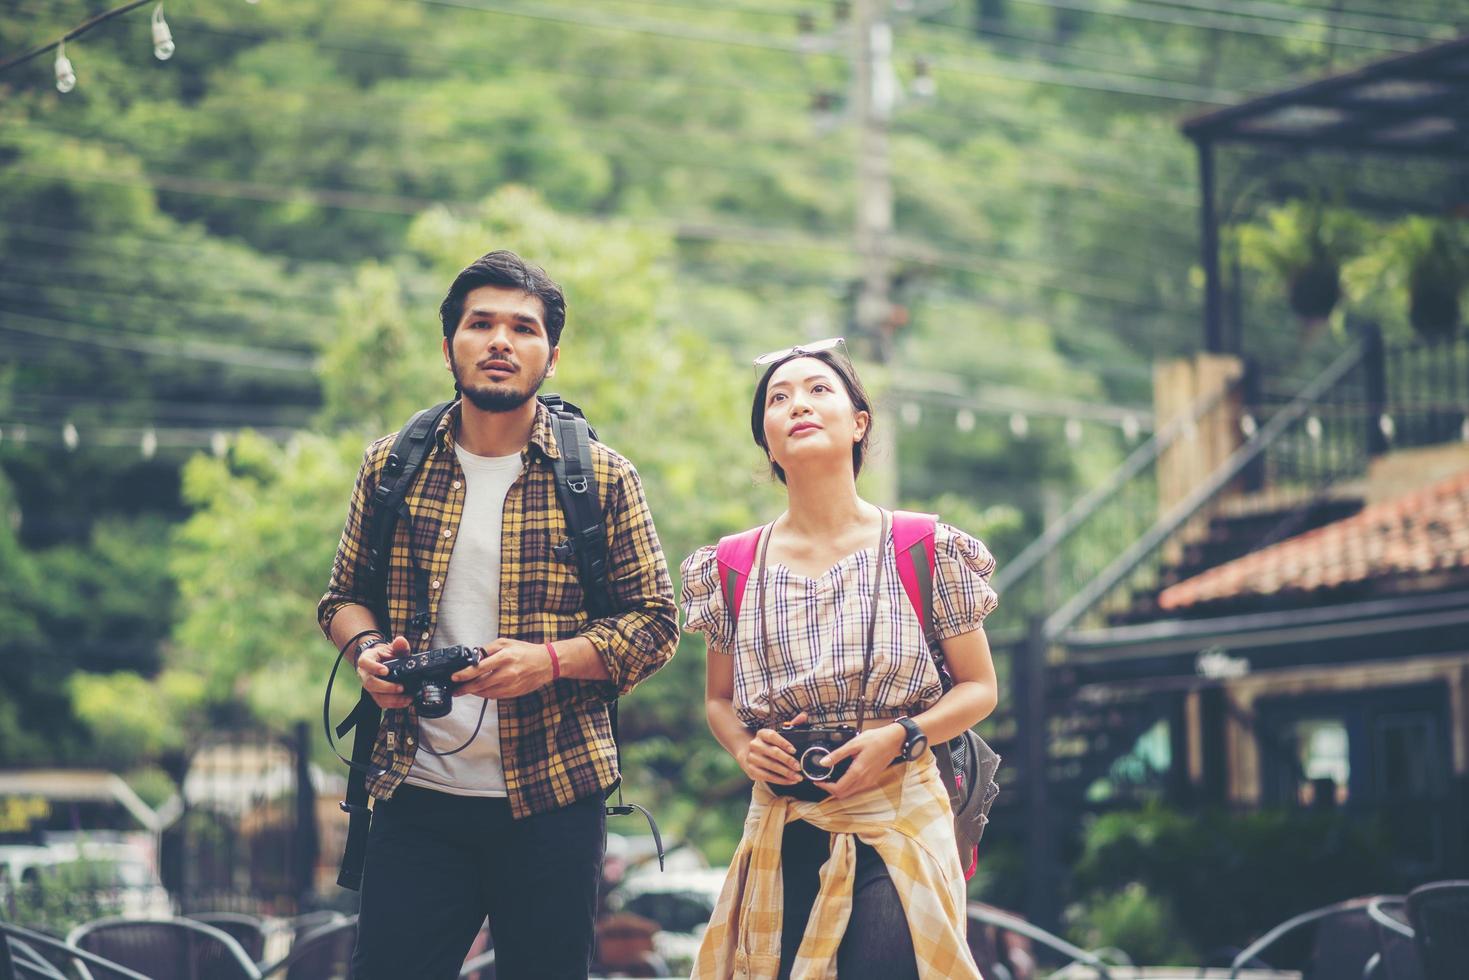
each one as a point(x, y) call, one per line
point(858, 394)
point(504, 268)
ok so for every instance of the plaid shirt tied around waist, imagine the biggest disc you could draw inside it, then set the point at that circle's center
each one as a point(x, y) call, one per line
point(906, 819)
point(556, 742)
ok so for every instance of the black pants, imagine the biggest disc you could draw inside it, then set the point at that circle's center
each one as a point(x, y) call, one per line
point(877, 944)
point(439, 865)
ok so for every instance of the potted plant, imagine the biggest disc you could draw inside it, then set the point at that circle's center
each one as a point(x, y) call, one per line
point(1437, 268)
point(1304, 244)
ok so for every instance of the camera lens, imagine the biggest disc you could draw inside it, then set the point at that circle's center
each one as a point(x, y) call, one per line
point(812, 765)
point(433, 700)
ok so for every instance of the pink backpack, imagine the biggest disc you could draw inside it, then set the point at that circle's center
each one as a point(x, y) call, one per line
point(965, 762)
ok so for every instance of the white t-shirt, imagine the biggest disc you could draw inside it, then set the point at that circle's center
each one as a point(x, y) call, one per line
point(469, 613)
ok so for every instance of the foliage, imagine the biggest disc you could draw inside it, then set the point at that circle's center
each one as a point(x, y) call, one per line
point(1132, 920)
point(1304, 243)
point(65, 896)
point(1208, 869)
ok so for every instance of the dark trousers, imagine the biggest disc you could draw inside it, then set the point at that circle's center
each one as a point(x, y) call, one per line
point(438, 865)
point(877, 944)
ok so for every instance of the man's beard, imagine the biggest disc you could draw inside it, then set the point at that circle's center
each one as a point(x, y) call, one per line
point(500, 398)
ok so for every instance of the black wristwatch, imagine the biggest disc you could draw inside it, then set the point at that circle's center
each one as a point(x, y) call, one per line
point(916, 742)
point(365, 645)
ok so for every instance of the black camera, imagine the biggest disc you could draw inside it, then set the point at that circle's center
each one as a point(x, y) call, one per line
point(812, 743)
point(425, 677)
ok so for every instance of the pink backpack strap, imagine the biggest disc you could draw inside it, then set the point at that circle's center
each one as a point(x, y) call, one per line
point(736, 556)
point(913, 542)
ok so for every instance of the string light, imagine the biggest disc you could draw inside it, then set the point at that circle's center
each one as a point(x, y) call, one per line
point(1313, 428)
point(1131, 428)
point(163, 46)
point(66, 76)
point(911, 413)
point(1073, 432)
point(924, 86)
point(1388, 427)
point(70, 437)
point(964, 420)
point(219, 444)
point(1019, 425)
point(149, 444)
point(1248, 425)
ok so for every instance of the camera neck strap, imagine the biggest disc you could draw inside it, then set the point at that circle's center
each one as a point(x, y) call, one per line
point(762, 640)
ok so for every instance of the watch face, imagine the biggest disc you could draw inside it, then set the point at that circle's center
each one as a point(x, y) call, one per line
point(916, 747)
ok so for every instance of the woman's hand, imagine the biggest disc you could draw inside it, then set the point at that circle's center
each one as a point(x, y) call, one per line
point(871, 752)
point(769, 758)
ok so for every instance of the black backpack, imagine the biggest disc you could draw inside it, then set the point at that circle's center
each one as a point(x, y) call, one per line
point(577, 491)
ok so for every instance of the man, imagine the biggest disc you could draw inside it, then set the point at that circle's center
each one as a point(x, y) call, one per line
point(510, 826)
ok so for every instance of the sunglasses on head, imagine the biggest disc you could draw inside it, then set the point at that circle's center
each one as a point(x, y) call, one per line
point(837, 344)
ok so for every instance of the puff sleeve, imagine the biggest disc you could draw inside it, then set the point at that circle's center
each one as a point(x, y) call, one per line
point(961, 582)
point(703, 603)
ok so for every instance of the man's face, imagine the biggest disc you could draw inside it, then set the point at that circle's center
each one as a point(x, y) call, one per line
point(500, 354)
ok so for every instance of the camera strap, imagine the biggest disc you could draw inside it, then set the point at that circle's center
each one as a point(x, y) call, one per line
point(762, 636)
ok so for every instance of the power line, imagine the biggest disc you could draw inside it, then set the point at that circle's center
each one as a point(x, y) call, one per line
point(72, 34)
point(198, 350)
point(1335, 20)
point(1089, 80)
point(678, 32)
point(1130, 10)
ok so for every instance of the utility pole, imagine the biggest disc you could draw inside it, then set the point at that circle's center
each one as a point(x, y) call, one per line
point(874, 94)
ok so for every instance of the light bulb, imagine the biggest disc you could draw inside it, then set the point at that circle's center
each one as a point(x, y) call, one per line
point(163, 47)
point(66, 78)
point(924, 85)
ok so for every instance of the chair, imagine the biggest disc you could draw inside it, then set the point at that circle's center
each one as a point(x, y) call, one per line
point(1344, 944)
point(179, 949)
point(31, 955)
point(247, 930)
point(1439, 913)
point(1397, 954)
point(300, 925)
point(324, 953)
point(992, 921)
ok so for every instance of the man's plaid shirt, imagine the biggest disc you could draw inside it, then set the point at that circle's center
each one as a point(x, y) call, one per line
point(556, 742)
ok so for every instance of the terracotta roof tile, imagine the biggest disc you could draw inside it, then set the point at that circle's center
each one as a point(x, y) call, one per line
point(1424, 533)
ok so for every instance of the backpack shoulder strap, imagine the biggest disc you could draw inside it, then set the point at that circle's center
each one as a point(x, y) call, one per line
point(735, 554)
point(581, 501)
point(913, 542)
point(410, 449)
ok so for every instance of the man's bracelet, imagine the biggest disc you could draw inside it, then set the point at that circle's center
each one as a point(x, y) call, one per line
point(555, 663)
point(370, 631)
point(366, 645)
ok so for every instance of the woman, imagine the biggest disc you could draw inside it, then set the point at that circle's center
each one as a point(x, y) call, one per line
point(825, 636)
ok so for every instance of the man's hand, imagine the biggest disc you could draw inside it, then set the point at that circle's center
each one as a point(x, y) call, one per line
point(770, 758)
point(370, 670)
point(509, 669)
point(871, 752)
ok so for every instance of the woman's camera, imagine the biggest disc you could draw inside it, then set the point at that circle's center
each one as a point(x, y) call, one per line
point(425, 677)
point(812, 744)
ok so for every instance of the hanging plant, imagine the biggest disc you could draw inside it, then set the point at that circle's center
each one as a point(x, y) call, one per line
point(1303, 243)
point(1437, 271)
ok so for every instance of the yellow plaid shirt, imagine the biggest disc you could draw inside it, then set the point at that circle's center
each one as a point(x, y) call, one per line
point(906, 819)
point(556, 742)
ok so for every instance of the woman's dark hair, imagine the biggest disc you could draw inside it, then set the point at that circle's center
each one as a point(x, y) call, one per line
point(858, 394)
point(505, 268)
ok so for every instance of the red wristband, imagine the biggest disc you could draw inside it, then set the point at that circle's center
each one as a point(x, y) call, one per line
point(555, 663)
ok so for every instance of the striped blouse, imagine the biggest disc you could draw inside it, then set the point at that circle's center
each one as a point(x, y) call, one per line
point(817, 631)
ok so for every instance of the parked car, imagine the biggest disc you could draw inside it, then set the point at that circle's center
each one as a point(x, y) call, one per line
point(116, 873)
point(680, 902)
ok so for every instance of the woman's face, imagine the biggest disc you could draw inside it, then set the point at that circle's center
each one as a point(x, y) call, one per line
point(809, 415)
